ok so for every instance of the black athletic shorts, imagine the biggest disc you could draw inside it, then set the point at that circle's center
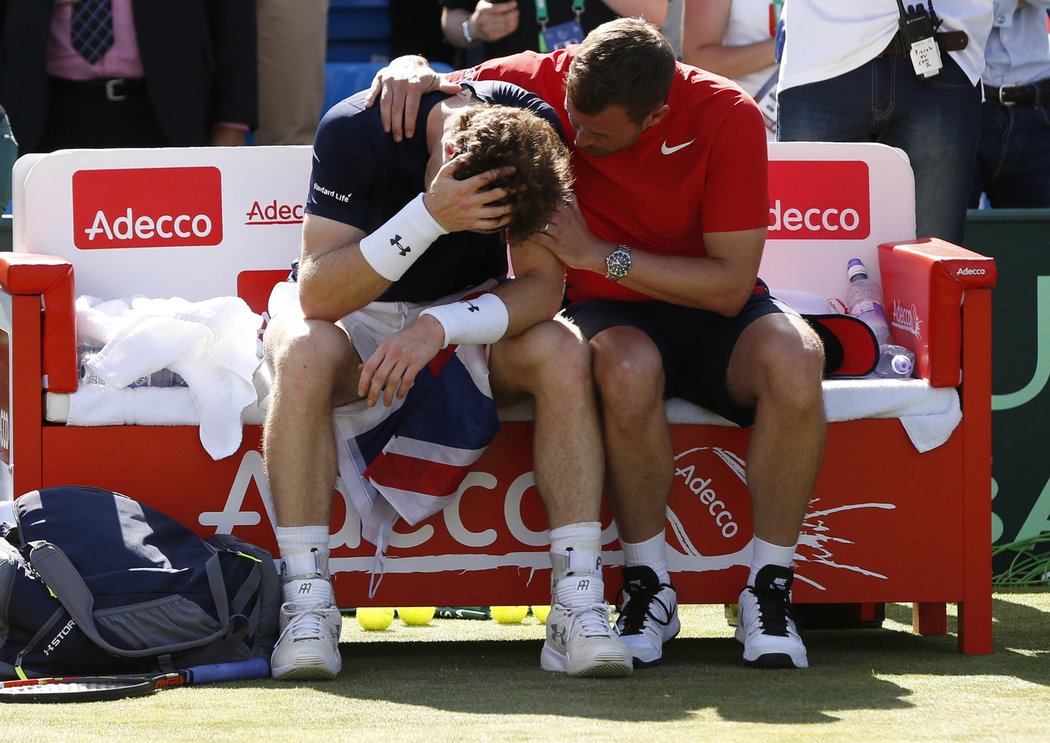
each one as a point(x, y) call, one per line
point(695, 344)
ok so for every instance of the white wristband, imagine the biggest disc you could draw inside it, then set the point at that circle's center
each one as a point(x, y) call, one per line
point(477, 321)
point(393, 248)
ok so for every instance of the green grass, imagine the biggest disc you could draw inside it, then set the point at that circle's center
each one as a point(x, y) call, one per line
point(477, 680)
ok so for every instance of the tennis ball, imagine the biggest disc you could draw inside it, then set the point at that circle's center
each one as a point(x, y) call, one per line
point(509, 614)
point(415, 615)
point(541, 612)
point(374, 618)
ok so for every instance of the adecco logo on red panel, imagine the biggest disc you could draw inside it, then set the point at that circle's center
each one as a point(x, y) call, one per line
point(819, 200)
point(147, 208)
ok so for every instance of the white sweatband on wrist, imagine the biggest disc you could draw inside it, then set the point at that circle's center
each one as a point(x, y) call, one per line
point(393, 248)
point(477, 321)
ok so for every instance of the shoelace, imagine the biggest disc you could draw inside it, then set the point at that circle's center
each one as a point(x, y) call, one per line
point(306, 620)
point(593, 619)
point(638, 607)
point(773, 613)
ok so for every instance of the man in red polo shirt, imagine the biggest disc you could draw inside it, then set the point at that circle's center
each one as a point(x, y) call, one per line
point(663, 242)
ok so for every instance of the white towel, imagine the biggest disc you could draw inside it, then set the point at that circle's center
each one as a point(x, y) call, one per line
point(212, 345)
point(102, 405)
point(928, 414)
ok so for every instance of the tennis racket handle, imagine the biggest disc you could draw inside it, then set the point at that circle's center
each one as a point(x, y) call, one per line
point(255, 668)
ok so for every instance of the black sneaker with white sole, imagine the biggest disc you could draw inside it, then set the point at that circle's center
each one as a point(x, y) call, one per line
point(648, 616)
point(766, 625)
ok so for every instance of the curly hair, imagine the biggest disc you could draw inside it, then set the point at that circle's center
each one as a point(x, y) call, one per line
point(626, 62)
point(492, 136)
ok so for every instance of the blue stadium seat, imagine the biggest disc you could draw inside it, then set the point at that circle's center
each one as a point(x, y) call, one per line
point(342, 79)
point(358, 30)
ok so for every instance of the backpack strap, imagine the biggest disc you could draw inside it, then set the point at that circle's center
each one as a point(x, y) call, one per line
point(60, 575)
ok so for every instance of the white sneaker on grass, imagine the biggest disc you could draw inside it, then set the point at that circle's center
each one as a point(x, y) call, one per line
point(766, 626)
point(580, 641)
point(308, 646)
point(649, 615)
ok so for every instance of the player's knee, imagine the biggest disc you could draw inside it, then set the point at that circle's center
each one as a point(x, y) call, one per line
point(561, 356)
point(310, 350)
point(628, 369)
point(794, 369)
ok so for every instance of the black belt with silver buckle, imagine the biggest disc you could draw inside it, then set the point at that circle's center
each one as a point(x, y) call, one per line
point(1033, 94)
point(112, 89)
point(948, 41)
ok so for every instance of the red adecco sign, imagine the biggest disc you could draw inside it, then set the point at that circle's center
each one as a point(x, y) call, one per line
point(147, 208)
point(819, 200)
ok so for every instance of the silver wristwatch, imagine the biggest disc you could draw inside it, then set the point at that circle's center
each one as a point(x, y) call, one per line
point(466, 32)
point(618, 263)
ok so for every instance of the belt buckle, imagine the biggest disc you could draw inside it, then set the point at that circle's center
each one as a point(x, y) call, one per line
point(1001, 101)
point(114, 89)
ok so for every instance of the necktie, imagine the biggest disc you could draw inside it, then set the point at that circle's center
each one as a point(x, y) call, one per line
point(91, 30)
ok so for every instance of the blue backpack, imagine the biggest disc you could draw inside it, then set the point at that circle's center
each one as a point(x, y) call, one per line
point(93, 582)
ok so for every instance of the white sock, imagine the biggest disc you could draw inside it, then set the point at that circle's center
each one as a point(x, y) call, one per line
point(652, 552)
point(769, 554)
point(304, 550)
point(585, 536)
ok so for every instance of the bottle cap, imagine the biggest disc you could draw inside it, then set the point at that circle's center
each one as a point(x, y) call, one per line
point(855, 269)
point(902, 364)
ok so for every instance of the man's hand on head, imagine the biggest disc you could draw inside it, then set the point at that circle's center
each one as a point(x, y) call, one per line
point(399, 87)
point(468, 204)
point(571, 240)
point(392, 369)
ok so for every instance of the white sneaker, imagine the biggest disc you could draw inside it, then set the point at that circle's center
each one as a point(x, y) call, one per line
point(649, 615)
point(580, 641)
point(766, 626)
point(308, 647)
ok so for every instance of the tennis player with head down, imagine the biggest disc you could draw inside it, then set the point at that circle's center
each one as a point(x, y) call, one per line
point(488, 163)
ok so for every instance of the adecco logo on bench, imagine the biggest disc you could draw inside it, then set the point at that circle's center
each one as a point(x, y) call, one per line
point(147, 208)
point(819, 200)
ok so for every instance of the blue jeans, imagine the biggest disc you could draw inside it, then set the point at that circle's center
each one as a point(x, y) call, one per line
point(935, 121)
point(1013, 157)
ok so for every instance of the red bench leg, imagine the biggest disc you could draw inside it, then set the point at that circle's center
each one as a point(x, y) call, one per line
point(929, 618)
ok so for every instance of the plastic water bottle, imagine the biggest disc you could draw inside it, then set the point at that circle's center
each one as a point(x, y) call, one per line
point(159, 378)
point(864, 300)
point(895, 362)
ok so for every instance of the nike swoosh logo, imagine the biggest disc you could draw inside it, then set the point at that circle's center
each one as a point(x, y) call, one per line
point(671, 150)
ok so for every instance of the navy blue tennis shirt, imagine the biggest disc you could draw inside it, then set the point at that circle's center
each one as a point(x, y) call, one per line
point(362, 177)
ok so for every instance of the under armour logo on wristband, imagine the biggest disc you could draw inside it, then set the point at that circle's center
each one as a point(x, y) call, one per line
point(472, 307)
point(403, 249)
point(91, 28)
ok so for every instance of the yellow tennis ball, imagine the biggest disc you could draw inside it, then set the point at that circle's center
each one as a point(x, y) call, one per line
point(541, 612)
point(416, 615)
point(374, 618)
point(509, 614)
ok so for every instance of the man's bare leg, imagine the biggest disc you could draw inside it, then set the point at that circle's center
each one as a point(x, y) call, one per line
point(552, 365)
point(629, 373)
point(777, 366)
point(314, 369)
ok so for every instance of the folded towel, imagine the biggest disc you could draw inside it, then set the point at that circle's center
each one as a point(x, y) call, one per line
point(928, 414)
point(101, 405)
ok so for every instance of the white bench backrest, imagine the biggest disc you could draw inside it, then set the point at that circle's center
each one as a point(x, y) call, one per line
point(205, 222)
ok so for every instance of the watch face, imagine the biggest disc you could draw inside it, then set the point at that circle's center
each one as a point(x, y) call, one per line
point(618, 263)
